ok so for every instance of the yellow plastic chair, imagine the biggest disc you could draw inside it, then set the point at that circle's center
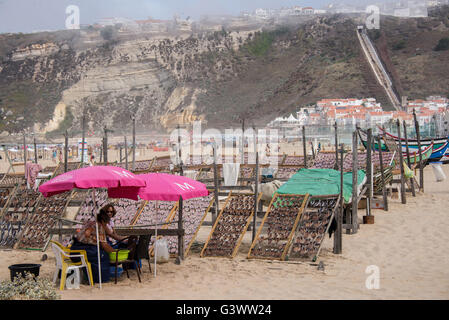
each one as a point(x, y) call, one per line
point(65, 264)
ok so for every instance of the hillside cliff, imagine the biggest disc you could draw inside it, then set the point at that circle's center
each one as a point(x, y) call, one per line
point(48, 80)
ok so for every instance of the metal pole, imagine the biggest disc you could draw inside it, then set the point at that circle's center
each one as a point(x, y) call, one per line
point(98, 240)
point(180, 238)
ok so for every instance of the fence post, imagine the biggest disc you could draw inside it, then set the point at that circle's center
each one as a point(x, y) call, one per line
point(134, 144)
point(401, 159)
point(382, 174)
point(304, 145)
point(412, 184)
point(355, 170)
point(66, 152)
point(421, 168)
point(368, 170)
point(336, 146)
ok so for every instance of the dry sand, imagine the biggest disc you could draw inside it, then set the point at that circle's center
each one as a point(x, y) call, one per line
point(408, 244)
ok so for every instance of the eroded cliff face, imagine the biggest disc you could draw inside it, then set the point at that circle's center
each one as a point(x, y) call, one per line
point(47, 81)
point(152, 79)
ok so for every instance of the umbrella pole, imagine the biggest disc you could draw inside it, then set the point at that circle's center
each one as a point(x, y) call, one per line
point(155, 239)
point(98, 240)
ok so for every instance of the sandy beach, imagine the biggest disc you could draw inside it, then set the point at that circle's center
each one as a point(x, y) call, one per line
point(408, 244)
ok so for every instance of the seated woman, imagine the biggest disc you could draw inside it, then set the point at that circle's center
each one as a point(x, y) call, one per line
point(86, 239)
point(109, 228)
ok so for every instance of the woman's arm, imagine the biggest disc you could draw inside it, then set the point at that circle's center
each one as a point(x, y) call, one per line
point(106, 247)
point(111, 233)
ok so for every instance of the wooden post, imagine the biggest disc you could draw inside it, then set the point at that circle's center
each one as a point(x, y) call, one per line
point(215, 214)
point(382, 175)
point(369, 173)
point(83, 138)
point(401, 159)
point(313, 150)
point(35, 148)
point(179, 152)
point(66, 150)
point(101, 150)
point(180, 238)
point(126, 154)
point(355, 170)
point(336, 146)
point(134, 144)
point(338, 233)
point(105, 145)
point(412, 184)
point(256, 192)
point(304, 145)
point(24, 155)
point(421, 167)
point(242, 156)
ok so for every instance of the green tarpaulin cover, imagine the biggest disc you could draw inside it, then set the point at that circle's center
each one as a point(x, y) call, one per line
point(321, 182)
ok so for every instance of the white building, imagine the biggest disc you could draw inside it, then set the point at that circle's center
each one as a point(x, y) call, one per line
point(261, 13)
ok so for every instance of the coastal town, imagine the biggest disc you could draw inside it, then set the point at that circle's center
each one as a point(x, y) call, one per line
point(367, 112)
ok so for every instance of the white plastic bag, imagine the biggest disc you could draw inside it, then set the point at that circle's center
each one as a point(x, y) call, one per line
point(438, 171)
point(161, 251)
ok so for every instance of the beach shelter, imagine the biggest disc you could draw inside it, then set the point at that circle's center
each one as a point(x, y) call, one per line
point(92, 178)
point(318, 182)
point(165, 187)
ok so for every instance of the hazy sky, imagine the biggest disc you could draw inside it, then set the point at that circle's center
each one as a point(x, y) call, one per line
point(30, 15)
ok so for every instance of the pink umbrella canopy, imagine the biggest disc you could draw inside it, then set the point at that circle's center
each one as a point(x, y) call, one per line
point(162, 186)
point(91, 177)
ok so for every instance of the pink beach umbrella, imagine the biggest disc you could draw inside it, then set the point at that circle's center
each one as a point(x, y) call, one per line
point(162, 186)
point(91, 178)
point(165, 187)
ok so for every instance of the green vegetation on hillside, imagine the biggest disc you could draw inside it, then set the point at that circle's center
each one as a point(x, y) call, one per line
point(260, 44)
point(443, 44)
